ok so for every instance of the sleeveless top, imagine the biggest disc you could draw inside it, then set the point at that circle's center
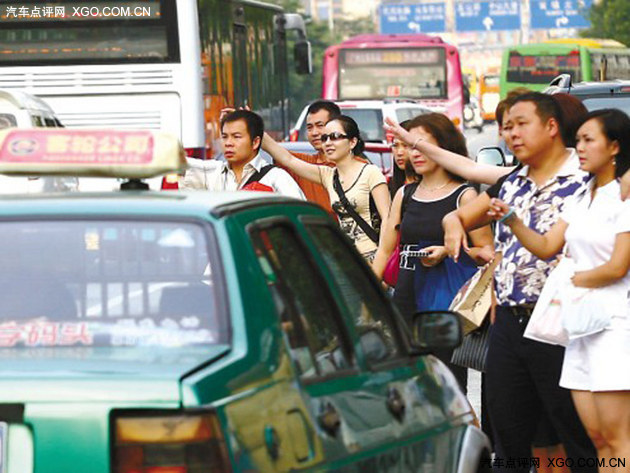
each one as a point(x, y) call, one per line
point(422, 219)
point(421, 222)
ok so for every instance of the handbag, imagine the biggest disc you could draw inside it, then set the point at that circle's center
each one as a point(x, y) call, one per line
point(473, 300)
point(473, 351)
point(545, 324)
point(392, 267)
point(589, 311)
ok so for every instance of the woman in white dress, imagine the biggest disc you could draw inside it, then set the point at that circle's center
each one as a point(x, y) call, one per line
point(596, 229)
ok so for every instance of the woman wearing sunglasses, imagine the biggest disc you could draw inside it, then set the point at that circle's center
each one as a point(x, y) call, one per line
point(351, 183)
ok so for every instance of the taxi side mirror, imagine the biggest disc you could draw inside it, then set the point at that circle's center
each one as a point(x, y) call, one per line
point(436, 329)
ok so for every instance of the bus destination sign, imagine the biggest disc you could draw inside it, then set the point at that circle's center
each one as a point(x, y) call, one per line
point(392, 56)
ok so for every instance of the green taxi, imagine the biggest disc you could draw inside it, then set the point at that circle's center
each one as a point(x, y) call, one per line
point(148, 332)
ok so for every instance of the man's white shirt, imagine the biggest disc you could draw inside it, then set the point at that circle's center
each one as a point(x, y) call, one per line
point(216, 175)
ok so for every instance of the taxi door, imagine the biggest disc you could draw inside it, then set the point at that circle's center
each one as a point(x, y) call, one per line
point(401, 397)
point(356, 379)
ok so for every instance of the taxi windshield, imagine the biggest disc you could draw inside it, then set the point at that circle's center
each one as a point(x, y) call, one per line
point(107, 283)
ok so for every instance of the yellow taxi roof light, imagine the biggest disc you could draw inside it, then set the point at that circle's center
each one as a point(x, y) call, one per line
point(127, 154)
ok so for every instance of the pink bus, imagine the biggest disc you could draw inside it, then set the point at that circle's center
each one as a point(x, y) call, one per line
point(412, 66)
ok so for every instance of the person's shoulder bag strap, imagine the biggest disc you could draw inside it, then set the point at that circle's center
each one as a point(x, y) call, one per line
point(366, 227)
point(258, 175)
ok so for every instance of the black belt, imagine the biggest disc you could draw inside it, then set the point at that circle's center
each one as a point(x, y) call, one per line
point(520, 311)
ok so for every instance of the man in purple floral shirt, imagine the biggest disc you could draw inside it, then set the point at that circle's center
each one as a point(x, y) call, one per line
point(523, 375)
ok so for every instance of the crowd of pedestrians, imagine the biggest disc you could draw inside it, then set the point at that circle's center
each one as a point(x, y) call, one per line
point(564, 197)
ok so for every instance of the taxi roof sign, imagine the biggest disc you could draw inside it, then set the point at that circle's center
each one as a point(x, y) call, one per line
point(127, 154)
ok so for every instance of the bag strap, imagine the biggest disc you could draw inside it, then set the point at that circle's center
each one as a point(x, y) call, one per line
point(366, 227)
point(258, 175)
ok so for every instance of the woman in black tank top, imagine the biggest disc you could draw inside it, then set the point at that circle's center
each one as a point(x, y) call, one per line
point(420, 221)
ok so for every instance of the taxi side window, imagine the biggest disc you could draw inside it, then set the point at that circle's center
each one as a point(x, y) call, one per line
point(368, 309)
point(315, 334)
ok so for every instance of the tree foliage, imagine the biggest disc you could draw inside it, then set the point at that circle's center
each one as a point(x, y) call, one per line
point(610, 19)
point(305, 89)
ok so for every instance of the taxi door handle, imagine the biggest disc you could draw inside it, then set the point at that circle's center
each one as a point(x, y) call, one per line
point(395, 403)
point(329, 419)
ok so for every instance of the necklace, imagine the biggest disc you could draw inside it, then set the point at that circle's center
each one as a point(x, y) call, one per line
point(433, 189)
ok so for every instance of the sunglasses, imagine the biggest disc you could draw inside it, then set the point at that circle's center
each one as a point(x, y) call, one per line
point(334, 136)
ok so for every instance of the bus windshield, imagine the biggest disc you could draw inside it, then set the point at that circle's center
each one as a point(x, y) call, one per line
point(381, 73)
point(94, 32)
point(541, 69)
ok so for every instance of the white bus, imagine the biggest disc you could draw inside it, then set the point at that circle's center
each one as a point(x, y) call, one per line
point(152, 64)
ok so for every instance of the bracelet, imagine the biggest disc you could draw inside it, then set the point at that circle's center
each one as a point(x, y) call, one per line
point(507, 216)
point(416, 142)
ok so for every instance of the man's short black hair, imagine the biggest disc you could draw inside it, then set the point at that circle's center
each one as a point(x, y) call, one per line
point(546, 107)
point(253, 121)
point(331, 107)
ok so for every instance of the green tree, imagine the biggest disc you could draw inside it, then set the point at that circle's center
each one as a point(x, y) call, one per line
point(610, 19)
point(306, 88)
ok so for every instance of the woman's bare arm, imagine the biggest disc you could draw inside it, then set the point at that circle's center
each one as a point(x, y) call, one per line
point(389, 235)
point(285, 158)
point(383, 201)
point(452, 162)
point(482, 249)
point(544, 246)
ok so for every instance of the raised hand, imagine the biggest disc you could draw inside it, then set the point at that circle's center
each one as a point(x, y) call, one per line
point(225, 112)
point(398, 131)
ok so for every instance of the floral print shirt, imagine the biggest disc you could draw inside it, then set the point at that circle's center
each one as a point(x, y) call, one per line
point(520, 276)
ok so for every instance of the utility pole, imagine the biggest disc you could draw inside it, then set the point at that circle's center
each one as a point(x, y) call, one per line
point(450, 17)
point(526, 13)
point(331, 14)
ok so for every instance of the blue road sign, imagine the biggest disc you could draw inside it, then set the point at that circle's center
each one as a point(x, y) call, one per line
point(417, 18)
point(487, 15)
point(548, 14)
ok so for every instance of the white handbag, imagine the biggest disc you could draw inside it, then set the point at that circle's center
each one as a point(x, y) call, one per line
point(587, 311)
point(546, 322)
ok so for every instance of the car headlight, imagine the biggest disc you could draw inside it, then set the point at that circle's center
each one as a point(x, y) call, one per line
point(168, 443)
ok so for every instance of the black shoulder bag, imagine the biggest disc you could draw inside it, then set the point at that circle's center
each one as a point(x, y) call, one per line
point(348, 207)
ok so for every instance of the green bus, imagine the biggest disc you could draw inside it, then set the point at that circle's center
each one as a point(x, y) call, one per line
point(535, 65)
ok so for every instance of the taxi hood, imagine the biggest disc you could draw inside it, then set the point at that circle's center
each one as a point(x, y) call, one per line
point(99, 373)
